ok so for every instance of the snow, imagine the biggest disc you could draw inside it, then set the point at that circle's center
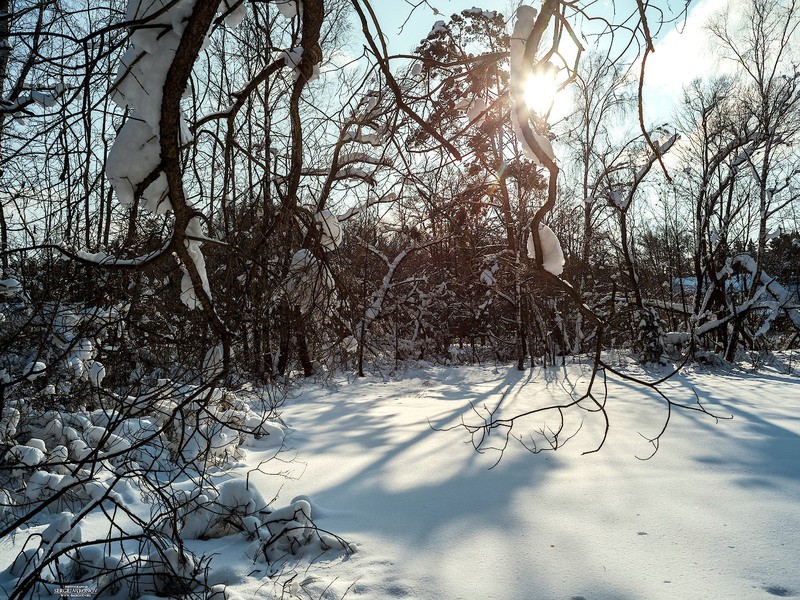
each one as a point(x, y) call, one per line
point(234, 16)
point(330, 230)
point(439, 27)
point(139, 85)
point(194, 233)
point(62, 530)
point(309, 282)
point(712, 515)
point(373, 138)
point(135, 154)
point(553, 260)
point(487, 277)
point(526, 17)
point(102, 258)
point(479, 12)
point(771, 286)
point(26, 455)
point(292, 59)
point(519, 75)
point(544, 143)
point(10, 287)
point(213, 362)
point(288, 8)
point(677, 337)
point(142, 75)
point(34, 370)
point(476, 109)
point(45, 99)
point(210, 514)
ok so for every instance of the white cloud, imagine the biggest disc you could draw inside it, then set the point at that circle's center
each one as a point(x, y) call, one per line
point(682, 54)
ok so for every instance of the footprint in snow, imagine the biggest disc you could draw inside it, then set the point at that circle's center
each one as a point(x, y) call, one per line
point(397, 591)
point(778, 590)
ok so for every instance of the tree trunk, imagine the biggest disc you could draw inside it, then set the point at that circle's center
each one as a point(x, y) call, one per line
point(5, 52)
point(303, 354)
point(283, 357)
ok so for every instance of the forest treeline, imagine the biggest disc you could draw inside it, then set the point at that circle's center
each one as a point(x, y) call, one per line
point(384, 213)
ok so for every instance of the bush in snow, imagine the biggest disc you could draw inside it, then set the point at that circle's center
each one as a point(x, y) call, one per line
point(71, 441)
point(174, 459)
point(291, 530)
point(650, 337)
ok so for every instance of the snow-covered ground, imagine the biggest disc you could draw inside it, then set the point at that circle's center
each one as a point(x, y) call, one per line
point(714, 514)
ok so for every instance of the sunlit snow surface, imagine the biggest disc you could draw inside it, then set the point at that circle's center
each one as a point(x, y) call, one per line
point(714, 515)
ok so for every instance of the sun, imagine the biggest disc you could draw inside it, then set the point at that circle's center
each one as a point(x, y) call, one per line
point(546, 93)
point(540, 92)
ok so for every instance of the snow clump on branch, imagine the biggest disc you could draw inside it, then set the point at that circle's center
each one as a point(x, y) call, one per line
point(288, 8)
point(309, 281)
point(552, 255)
point(134, 162)
point(330, 230)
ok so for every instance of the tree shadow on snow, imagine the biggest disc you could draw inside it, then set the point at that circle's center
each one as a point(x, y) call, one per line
point(429, 488)
point(765, 429)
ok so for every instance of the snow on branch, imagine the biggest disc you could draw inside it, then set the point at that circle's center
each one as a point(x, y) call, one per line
point(552, 255)
point(390, 197)
point(380, 55)
point(288, 8)
point(309, 282)
point(661, 148)
point(781, 299)
point(44, 98)
point(101, 259)
point(391, 266)
point(143, 160)
point(330, 230)
point(771, 285)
